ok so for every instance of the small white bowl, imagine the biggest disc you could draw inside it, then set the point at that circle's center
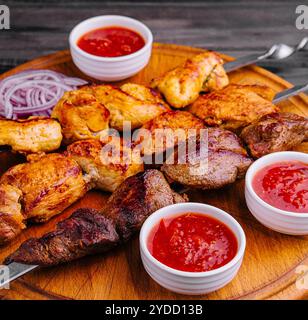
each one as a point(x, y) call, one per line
point(110, 68)
point(191, 283)
point(276, 219)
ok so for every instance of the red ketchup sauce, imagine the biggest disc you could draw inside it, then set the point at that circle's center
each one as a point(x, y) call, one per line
point(192, 242)
point(111, 42)
point(284, 185)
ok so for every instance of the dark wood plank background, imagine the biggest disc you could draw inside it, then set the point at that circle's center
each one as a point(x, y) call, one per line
point(232, 27)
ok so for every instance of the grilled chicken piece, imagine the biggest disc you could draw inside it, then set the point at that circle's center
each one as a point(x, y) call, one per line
point(235, 106)
point(11, 217)
point(220, 163)
point(43, 188)
point(182, 85)
point(131, 102)
point(275, 132)
point(81, 116)
point(33, 135)
point(89, 231)
point(107, 163)
point(166, 131)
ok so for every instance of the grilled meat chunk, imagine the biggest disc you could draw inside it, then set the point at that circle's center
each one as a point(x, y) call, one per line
point(81, 116)
point(38, 190)
point(33, 135)
point(107, 163)
point(88, 231)
point(166, 131)
point(182, 85)
point(275, 132)
point(220, 163)
point(235, 106)
point(11, 218)
point(130, 102)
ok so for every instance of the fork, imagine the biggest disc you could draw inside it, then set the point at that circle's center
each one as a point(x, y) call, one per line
point(276, 52)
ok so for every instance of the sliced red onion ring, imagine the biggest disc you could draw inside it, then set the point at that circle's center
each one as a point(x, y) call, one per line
point(34, 92)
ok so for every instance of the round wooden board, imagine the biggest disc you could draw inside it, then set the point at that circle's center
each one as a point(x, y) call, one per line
point(271, 259)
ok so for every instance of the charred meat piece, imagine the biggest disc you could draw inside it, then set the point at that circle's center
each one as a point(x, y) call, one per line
point(107, 163)
point(88, 231)
point(220, 163)
point(136, 198)
point(182, 85)
point(234, 106)
point(275, 132)
point(32, 135)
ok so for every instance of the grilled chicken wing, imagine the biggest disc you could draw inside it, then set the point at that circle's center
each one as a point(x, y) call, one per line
point(33, 135)
point(81, 116)
point(220, 163)
point(235, 106)
point(167, 131)
point(107, 163)
point(275, 132)
point(38, 190)
point(130, 102)
point(89, 231)
point(182, 85)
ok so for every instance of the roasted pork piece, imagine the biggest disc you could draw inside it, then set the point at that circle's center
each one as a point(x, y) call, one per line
point(107, 163)
point(234, 106)
point(89, 231)
point(81, 116)
point(182, 85)
point(38, 190)
point(167, 130)
point(220, 163)
point(275, 132)
point(33, 135)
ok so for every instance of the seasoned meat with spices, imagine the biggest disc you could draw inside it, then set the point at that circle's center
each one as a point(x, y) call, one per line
point(43, 188)
point(107, 163)
point(88, 231)
point(166, 131)
point(219, 163)
point(275, 132)
point(182, 85)
point(32, 135)
point(235, 106)
point(81, 116)
point(131, 102)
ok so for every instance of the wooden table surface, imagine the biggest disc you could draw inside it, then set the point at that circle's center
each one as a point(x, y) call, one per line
point(232, 27)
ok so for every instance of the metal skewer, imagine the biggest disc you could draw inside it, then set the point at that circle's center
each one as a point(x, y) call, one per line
point(276, 52)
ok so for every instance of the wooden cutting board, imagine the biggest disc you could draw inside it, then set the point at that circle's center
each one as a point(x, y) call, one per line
point(271, 262)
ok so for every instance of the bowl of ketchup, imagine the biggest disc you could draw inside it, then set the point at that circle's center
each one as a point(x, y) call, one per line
point(111, 47)
point(276, 191)
point(192, 248)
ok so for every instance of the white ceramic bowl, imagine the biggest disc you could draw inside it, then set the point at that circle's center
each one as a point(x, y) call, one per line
point(191, 283)
point(276, 219)
point(110, 68)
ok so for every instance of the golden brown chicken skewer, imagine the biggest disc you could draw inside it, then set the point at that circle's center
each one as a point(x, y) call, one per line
point(182, 85)
point(45, 186)
point(234, 106)
point(34, 135)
